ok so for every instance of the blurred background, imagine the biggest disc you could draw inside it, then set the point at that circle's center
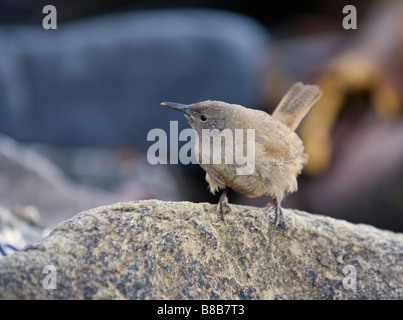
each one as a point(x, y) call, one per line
point(76, 103)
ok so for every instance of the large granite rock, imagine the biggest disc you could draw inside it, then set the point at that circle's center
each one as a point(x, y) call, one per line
point(166, 250)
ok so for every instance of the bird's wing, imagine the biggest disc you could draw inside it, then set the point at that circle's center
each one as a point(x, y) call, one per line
point(276, 141)
point(296, 104)
point(282, 150)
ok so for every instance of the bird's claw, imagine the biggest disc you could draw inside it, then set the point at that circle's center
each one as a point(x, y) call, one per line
point(279, 215)
point(222, 205)
point(277, 210)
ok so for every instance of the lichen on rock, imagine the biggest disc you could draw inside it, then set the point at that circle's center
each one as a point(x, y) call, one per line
point(181, 250)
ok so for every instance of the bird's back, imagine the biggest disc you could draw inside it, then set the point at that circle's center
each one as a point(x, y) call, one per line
point(277, 151)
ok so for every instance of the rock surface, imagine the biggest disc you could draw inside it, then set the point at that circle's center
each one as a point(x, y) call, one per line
point(181, 250)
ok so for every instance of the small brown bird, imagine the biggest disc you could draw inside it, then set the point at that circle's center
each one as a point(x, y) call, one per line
point(278, 151)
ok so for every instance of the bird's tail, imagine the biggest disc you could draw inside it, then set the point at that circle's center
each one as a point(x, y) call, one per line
point(296, 104)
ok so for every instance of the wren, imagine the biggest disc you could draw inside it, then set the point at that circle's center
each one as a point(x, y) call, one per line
point(278, 151)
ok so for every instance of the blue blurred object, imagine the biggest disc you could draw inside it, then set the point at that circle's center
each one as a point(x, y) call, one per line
point(100, 81)
point(3, 251)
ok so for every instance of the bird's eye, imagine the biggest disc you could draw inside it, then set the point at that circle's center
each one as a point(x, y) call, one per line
point(203, 118)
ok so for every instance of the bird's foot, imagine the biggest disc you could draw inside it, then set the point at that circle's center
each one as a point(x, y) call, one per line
point(278, 211)
point(223, 205)
point(279, 215)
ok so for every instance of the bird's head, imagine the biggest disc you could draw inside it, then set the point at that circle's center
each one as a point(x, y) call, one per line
point(205, 115)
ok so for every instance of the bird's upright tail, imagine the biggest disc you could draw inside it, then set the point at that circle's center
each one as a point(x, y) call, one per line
point(296, 104)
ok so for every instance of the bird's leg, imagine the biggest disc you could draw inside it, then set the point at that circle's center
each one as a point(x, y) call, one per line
point(223, 203)
point(278, 211)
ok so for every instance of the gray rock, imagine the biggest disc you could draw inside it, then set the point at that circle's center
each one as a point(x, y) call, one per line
point(101, 80)
point(30, 179)
point(166, 250)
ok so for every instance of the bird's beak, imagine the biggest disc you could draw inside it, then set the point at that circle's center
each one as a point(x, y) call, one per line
point(177, 106)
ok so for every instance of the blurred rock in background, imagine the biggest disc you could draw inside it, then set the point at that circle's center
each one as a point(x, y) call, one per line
point(83, 98)
point(29, 179)
point(354, 134)
point(18, 228)
point(91, 177)
point(101, 81)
